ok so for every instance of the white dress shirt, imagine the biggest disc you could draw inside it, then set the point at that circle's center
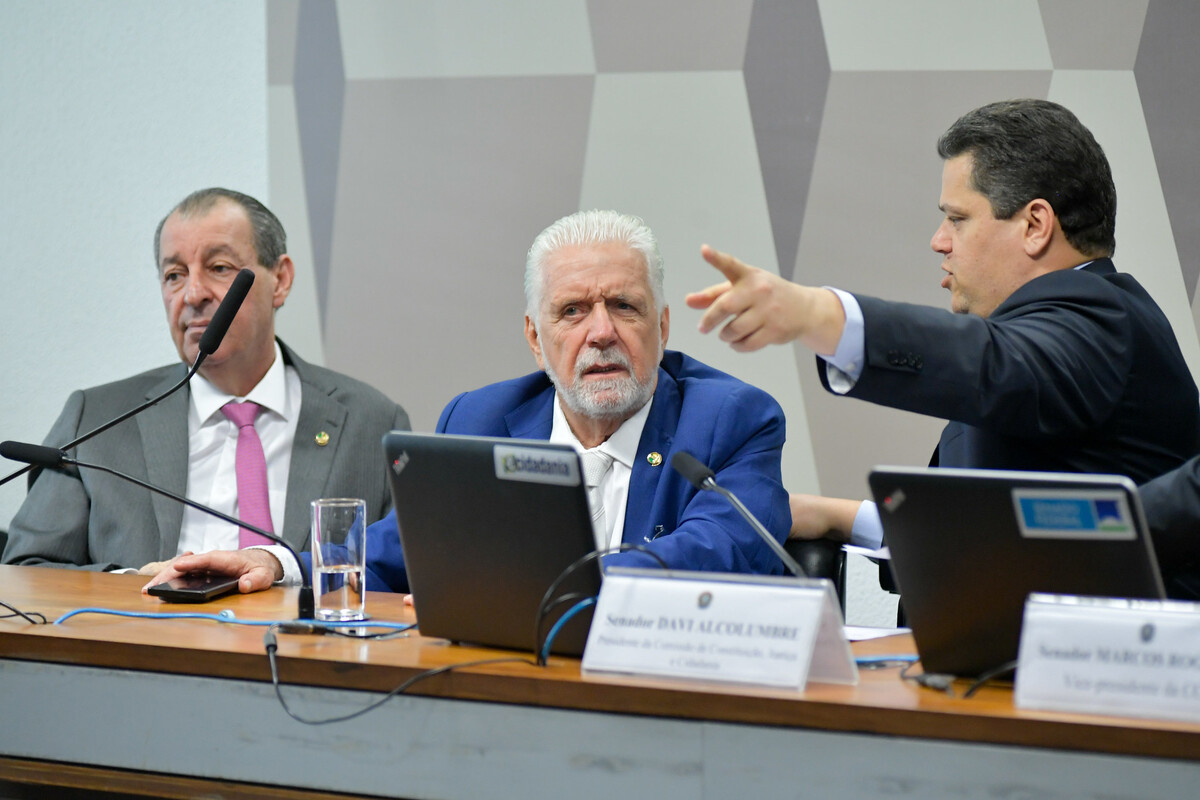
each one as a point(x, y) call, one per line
point(212, 454)
point(623, 447)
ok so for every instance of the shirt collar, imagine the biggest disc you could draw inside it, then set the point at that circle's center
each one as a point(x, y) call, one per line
point(622, 445)
point(271, 392)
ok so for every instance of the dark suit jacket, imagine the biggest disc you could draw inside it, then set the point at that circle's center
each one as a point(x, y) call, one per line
point(1077, 371)
point(99, 522)
point(734, 428)
point(1172, 505)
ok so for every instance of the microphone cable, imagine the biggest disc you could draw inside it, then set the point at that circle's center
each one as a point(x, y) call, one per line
point(550, 602)
point(28, 616)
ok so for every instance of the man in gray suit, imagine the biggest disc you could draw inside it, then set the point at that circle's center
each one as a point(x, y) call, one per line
point(319, 430)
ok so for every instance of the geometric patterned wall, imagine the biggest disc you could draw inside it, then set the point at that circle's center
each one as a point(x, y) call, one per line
point(417, 148)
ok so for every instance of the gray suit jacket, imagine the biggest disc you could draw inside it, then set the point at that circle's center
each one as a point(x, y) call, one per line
point(95, 521)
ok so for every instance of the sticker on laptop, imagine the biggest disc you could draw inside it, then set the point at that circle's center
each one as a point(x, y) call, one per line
point(533, 465)
point(1073, 514)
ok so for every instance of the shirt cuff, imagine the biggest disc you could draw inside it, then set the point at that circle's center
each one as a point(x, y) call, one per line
point(867, 530)
point(291, 570)
point(843, 368)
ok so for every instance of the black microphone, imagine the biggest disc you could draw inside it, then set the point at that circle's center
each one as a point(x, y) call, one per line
point(705, 479)
point(33, 454)
point(210, 340)
point(221, 319)
point(50, 458)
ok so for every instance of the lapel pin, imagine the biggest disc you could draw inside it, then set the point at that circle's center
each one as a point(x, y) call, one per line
point(654, 459)
point(322, 439)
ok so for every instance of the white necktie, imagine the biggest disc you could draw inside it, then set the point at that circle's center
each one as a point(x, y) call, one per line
point(595, 466)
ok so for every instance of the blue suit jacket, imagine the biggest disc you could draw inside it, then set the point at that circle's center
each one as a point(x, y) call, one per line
point(733, 427)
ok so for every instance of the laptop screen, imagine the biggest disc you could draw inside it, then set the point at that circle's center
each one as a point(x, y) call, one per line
point(487, 525)
point(968, 546)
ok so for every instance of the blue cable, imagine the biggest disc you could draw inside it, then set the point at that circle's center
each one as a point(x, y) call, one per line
point(554, 629)
point(227, 616)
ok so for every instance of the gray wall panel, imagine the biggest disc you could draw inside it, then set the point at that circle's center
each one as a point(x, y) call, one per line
point(319, 86)
point(787, 75)
point(1168, 72)
point(650, 35)
point(444, 184)
point(1093, 34)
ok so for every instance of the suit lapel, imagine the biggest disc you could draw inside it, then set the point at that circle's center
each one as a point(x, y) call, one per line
point(312, 464)
point(657, 437)
point(164, 431)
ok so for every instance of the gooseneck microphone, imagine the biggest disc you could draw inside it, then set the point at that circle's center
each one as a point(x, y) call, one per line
point(222, 318)
point(37, 455)
point(705, 479)
point(210, 340)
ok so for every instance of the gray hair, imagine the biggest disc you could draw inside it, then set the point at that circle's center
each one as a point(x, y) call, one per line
point(270, 240)
point(591, 227)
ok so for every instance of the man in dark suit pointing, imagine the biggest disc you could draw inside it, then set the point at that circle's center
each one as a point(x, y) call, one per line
point(1052, 360)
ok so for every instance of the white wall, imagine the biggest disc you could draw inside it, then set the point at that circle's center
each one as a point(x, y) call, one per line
point(110, 112)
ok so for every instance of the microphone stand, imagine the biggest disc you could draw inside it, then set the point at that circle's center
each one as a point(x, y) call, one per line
point(775, 546)
point(55, 459)
point(101, 429)
point(210, 340)
point(703, 478)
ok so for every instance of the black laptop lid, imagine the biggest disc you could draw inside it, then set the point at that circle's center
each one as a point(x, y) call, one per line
point(968, 546)
point(487, 525)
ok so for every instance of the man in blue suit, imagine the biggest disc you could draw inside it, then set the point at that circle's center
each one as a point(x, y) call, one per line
point(597, 323)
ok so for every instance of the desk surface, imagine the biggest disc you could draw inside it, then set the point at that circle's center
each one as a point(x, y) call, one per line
point(882, 703)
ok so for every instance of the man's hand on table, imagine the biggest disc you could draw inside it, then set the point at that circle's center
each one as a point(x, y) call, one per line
point(254, 568)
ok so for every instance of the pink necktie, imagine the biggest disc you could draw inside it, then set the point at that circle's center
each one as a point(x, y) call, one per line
point(254, 505)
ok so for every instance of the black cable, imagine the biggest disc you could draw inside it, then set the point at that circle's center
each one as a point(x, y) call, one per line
point(569, 597)
point(346, 629)
point(271, 645)
point(27, 616)
point(349, 634)
point(990, 675)
point(546, 605)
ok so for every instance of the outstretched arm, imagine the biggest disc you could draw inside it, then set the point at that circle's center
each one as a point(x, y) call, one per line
point(759, 308)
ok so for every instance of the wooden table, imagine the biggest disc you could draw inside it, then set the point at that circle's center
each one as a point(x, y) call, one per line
point(184, 708)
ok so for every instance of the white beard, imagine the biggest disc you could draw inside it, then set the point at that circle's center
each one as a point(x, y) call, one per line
point(619, 396)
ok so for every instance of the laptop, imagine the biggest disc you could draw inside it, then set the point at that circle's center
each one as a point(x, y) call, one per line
point(968, 546)
point(487, 525)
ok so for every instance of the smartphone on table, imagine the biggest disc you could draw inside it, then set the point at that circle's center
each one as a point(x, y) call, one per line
point(194, 587)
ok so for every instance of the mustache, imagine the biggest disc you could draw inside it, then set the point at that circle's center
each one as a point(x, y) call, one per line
point(609, 356)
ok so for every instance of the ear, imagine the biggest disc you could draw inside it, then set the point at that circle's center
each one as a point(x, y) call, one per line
point(535, 345)
point(284, 273)
point(1040, 222)
point(664, 325)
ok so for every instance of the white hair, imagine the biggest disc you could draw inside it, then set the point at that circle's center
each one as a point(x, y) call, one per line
point(591, 227)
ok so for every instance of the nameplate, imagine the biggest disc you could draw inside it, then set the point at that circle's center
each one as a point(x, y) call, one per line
point(713, 626)
point(1137, 658)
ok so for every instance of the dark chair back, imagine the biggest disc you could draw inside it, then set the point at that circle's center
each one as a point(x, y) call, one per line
point(821, 558)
